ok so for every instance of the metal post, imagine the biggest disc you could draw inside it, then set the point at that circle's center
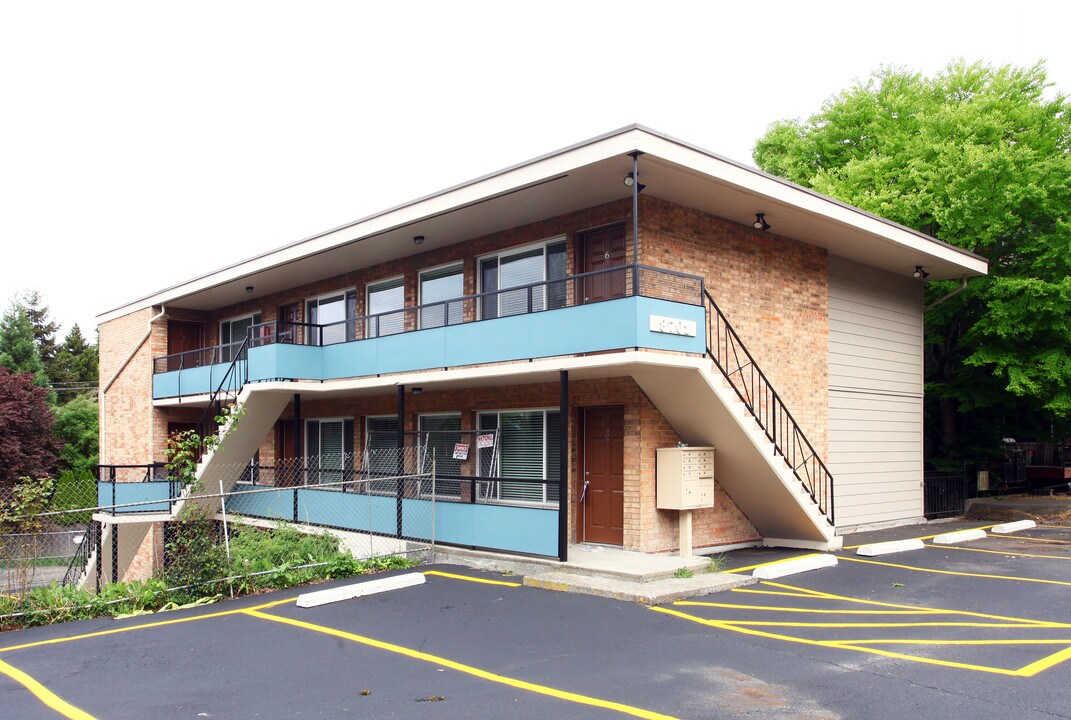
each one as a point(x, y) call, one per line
point(635, 222)
point(100, 553)
point(299, 461)
point(401, 458)
point(563, 466)
point(115, 553)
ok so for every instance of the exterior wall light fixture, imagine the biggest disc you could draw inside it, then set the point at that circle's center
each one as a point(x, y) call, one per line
point(248, 289)
point(919, 273)
point(760, 222)
point(630, 180)
point(418, 239)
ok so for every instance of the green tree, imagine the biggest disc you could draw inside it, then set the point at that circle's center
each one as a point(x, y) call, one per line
point(18, 351)
point(74, 368)
point(77, 425)
point(979, 157)
point(44, 330)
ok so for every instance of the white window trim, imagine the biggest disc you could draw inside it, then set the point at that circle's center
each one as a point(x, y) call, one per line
point(336, 293)
point(500, 254)
point(369, 288)
point(250, 316)
point(523, 503)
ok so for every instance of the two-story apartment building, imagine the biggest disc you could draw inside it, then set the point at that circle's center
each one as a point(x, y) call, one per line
point(584, 308)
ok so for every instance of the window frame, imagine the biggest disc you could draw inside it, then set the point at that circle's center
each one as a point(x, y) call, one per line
point(348, 332)
point(498, 499)
point(500, 255)
point(369, 288)
point(309, 471)
point(448, 303)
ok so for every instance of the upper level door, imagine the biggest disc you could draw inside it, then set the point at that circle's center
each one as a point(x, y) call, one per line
point(601, 251)
point(184, 336)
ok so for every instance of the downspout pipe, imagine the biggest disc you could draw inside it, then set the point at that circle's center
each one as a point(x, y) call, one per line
point(938, 301)
point(108, 385)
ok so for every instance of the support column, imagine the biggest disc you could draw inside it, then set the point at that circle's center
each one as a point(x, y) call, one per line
point(563, 466)
point(635, 222)
point(299, 454)
point(400, 469)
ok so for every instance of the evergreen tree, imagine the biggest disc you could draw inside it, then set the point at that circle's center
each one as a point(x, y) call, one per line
point(44, 330)
point(74, 370)
point(18, 351)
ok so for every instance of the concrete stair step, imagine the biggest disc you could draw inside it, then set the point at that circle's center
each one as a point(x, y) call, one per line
point(654, 592)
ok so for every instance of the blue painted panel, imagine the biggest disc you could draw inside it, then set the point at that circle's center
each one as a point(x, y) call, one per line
point(417, 350)
point(502, 527)
point(352, 359)
point(274, 504)
point(348, 510)
point(611, 325)
point(647, 307)
point(135, 492)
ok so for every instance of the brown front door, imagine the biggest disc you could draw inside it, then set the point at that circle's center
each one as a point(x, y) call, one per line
point(602, 476)
point(602, 250)
point(183, 336)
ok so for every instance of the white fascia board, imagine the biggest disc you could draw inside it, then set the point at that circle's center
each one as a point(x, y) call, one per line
point(618, 143)
point(777, 189)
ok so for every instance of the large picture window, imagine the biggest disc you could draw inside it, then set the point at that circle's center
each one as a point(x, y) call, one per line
point(435, 449)
point(519, 269)
point(335, 314)
point(528, 447)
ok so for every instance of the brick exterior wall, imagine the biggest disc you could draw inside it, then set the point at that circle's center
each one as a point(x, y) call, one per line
point(773, 289)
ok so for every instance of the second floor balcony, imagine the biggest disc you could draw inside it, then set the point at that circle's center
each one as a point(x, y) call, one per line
point(631, 306)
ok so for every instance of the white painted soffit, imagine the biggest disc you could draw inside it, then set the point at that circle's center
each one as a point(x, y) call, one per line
point(581, 176)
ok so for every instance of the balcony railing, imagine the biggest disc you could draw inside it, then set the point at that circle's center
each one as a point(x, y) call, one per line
point(583, 289)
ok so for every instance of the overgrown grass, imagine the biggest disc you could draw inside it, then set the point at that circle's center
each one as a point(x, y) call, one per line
point(261, 559)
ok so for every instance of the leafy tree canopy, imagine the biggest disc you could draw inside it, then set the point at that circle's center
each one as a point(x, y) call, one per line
point(77, 425)
point(27, 446)
point(979, 157)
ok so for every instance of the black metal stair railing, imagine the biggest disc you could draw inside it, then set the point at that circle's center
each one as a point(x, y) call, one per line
point(82, 555)
point(234, 379)
point(753, 388)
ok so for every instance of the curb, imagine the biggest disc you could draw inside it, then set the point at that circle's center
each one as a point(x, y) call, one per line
point(797, 565)
point(370, 587)
point(893, 546)
point(1013, 527)
point(958, 536)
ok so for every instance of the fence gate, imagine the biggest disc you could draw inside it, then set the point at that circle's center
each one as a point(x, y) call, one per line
point(944, 494)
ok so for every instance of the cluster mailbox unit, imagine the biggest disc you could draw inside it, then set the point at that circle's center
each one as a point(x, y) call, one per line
point(685, 481)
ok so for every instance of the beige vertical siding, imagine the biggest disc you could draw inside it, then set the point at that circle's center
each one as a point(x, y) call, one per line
point(875, 393)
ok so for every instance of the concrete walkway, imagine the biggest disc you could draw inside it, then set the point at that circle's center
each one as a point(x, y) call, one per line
point(608, 572)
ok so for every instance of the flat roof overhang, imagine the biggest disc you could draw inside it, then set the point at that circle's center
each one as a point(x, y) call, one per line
point(581, 176)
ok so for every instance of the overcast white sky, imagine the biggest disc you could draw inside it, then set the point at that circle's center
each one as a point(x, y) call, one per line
point(144, 143)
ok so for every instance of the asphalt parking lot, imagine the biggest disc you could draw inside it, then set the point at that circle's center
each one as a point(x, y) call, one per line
point(981, 629)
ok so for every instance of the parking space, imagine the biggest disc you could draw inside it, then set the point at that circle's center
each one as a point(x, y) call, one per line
point(979, 629)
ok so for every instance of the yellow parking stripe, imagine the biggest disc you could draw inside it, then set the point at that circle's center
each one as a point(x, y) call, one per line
point(817, 611)
point(471, 579)
point(920, 641)
point(961, 574)
point(468, 669)
point(924, 537)
point(773, 592)
point(775, 623)
point(998, 552)
point(772, 562)
point(965, 613)
point(834, 644)
point(1031, 539)
point(43, 694)
point(161, 623)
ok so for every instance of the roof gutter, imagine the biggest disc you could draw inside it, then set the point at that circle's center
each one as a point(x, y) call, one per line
point(938, 301)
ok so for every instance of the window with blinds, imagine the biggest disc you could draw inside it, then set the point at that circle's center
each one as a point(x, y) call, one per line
point(440, 286)
point(329, 449)
point(383, 299)
point(381, 456)
point(539, 266)
point(528, 447)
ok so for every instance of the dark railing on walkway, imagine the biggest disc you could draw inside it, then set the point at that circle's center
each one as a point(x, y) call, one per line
point(234, 379)
point(82, 555)
point(944, 493)
point(754, 389)
point(583, 289)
